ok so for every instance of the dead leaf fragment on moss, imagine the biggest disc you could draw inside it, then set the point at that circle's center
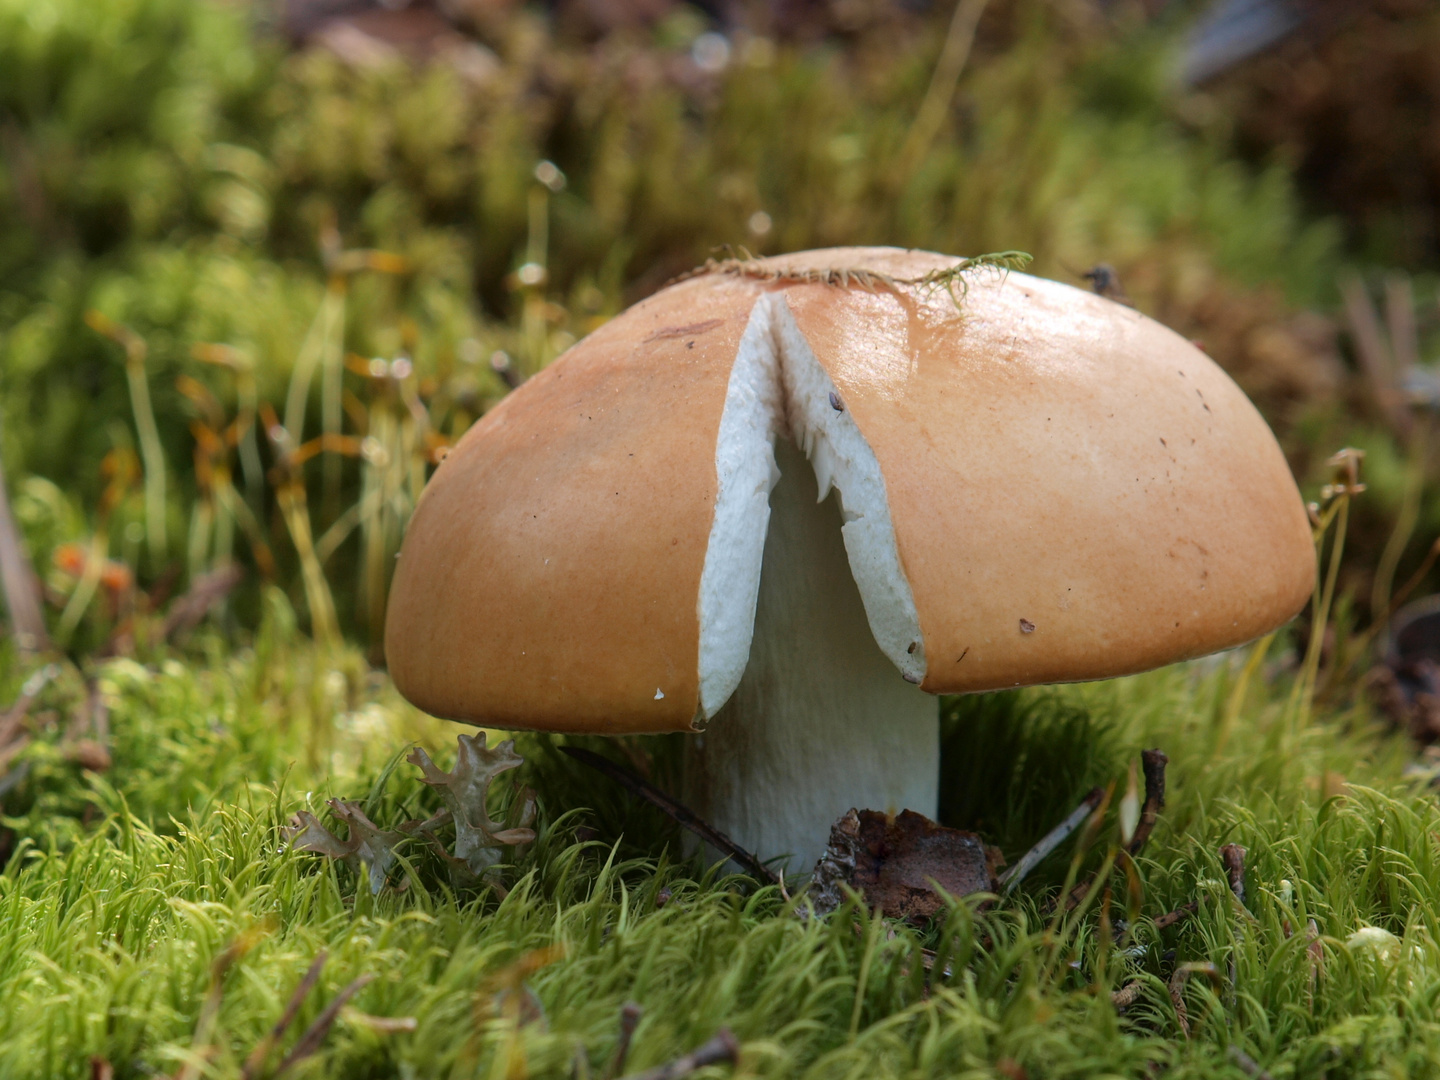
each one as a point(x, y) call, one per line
point(367, 843)
point(478, 839)
point(898, 862)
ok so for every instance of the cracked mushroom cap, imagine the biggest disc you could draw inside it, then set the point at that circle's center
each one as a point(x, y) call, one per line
point(1039, 485)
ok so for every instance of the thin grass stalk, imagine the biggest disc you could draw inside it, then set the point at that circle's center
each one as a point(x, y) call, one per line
point(202, 520)
point(224, 518)
point(537, 247)
point(311, 351)
point(242, 515)
point(1405, 522)
point(930, 117)
point(323, 622)
point(1236, 701)
point(85, 588)
point(251, 466)
point(331, 385)
point(874, 928)
point(152, 453)
point(1301, 697)
point(332, 538)
point(380, 470)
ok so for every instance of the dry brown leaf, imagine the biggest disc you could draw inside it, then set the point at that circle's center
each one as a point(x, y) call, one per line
point(897, 863)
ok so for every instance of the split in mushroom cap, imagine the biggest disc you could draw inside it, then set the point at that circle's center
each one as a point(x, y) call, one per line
point(1036, 484)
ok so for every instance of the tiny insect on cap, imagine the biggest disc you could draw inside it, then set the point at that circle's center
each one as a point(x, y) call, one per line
point(1059, 488)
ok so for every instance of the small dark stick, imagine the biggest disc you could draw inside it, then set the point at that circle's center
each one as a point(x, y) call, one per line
point(316, 1032)
point(1233, 857)
point(1126, 995)
point(682, 814)
point(1050, 841)
point(723, 1047)
point(1245, 1063)
point(204, 593)
point(1177, 998)
point(1177, 988)
point(1152, 763)
point(1184, 911)
point(256, 1061)
point(630, 1014)
point(13, 719)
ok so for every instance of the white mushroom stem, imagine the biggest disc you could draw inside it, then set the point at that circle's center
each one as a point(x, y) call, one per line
point(821, 721)
point(810, 644)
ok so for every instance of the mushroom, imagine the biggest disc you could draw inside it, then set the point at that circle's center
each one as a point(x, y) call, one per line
point(1010, 481)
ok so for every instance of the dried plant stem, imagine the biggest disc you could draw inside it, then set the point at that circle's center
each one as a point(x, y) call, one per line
point(681, 814)
point(1153, 764)
point(332, 367)
point(255, 1062)
point(722, 1048)
point(1376, 360)
point(946, 77)
point(845, 277)
point(1183, 975)
point(1405, 522)
point(86, 586)
point(316, 1032)
point(152, 453)
point(1236, 701)
point(21, 587)
point(1183, 912)
point(309, 357)
point(1126, 995)
point(1050, 841)
point(1301, 697)
point(1245, 1063)
point(323, 622)
point(630, 1014)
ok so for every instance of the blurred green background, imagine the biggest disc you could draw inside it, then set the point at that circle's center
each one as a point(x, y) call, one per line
point(259, 265)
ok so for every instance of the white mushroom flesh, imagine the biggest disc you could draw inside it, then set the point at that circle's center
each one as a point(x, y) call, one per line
point(809, 637)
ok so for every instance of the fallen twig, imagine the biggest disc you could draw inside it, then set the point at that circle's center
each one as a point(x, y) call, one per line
point(1177, 989)
point(1245, 1063)
point(1170, 918)
point(1153, 763)
point(1233, 858)
point(1316, 952)
point(1126, 995)
point(1377, 362)
point(723, 1047)
point(14, 717)
point(1050, 841)
point(630, 1014)
point(204, 593)
point(256, 1061)
point(316, 1032)
point(680, 813)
